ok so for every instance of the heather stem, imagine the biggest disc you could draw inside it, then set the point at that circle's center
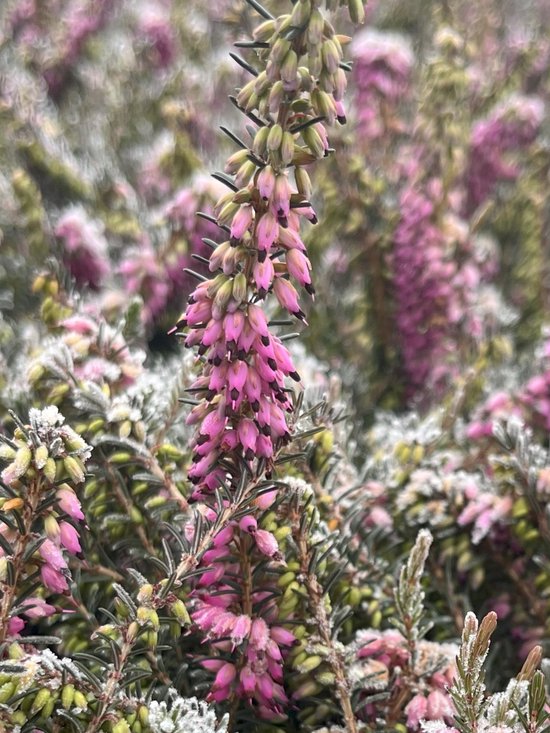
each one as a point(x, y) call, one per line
point(323, 627)
point(111, 686)
point(10, 590)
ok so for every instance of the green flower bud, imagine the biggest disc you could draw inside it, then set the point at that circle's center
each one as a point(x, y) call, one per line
point(40, 456)
point(80, 700)
point(121, 457)
point(35, 373)
point(287, 148)
point(285, 579)
point(300, 14)
point(67, 696)
point(245, 94)
point(41, 699)
point(47, 710)
point(151, 639)
point(264, 31)
point(18, 717)
point(121, 727)
point(22, 460)
point(289, 67)
point(356, 11)
point(315, 28)
point(275, 138)
point(330, 55)
point(260, 140)
point(325, 678)
point(74, 467)
point(315, 62)
point(179, 610)
point(239, 288)
point(235, 161)
point(261, 84)
point(51, 527)
point(223, 296)
point(276, 96)
point(279, 50)
point(313, 140)
point(245, 173)
point(7, 453)
point(309, 664)
point(307, 689)
point(227, 213)
point(7, 690)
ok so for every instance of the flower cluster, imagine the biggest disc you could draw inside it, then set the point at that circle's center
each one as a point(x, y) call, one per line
point(84, 247)
point(382, 71)
point(243, 413)
point(511, 127)
point(46, 457)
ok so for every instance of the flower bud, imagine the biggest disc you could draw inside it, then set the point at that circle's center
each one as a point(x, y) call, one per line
point(314, 142)
point(356, 11)
point(74, 468)
point(121, 727)
point(51, 527)
point(245, 173)
point(275, 138)
point(67, 696)
point(276, 96)
point(287, 148)
point(179, 610)
point(239, 287)
point(289, 67)
point(235, 161)
point(264, 31)
point(279, 50)
point(260, 141)
point(22, 460)
point(41, 699)
point(315, 27)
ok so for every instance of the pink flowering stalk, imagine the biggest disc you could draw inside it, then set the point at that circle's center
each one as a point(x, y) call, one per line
point(422, 285)
point(243, 417)
point(82, 19)
point(84, 248)
point(48, 513)
point(529, 403)
point(495, 144)
point(381, 72)
point(160, 276)
point(244, 411)
point(156, 34)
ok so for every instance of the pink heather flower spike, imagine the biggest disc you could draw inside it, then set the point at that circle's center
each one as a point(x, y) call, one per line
point(243, 421)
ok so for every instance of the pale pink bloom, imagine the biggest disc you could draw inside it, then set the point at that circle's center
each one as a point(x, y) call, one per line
point(52, 555)
point(266, 542)
point(69, 537)
point(37, 608)
point(53, 580)
point(69, 503)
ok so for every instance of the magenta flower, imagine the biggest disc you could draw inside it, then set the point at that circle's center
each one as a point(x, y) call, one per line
point(69, 538)
point(511, 127)
point(53, 580)
point(52, 555)
point(37, 608)
point(382, 70)
point(85, 247)
point(68, 502)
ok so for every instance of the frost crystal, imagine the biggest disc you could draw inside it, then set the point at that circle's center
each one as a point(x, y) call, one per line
point(183, 715)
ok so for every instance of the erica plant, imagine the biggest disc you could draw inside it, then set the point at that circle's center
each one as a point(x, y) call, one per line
point(245, 413)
